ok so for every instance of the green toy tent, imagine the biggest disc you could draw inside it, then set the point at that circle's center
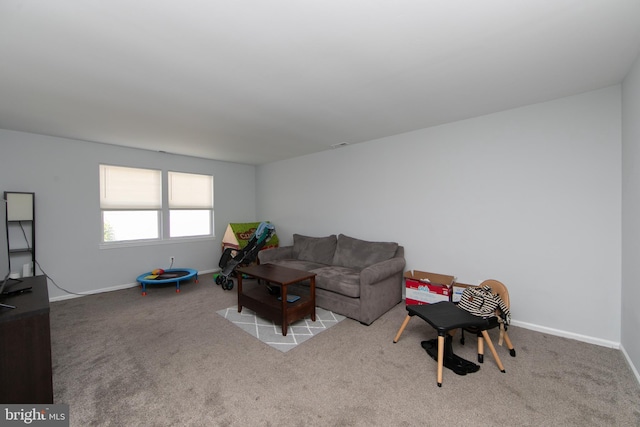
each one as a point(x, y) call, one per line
point(238, 234)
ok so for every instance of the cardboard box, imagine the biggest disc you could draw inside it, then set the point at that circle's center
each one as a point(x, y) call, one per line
point(427, 288)
point(457, 290)
point(237, 236)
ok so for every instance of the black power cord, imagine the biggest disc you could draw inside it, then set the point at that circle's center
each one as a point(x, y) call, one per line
point(37, 264)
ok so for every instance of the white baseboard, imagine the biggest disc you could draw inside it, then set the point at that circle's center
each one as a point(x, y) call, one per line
point(94, 291)
point(565, 334)
point(630, 363)
point(111, 289)
point(583, 338)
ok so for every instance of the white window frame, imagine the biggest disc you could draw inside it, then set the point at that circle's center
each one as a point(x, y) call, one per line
point(168, 192)
point(189, 193)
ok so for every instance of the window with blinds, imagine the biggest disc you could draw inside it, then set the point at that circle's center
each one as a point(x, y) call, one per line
point(133, 204)
point(190, 204)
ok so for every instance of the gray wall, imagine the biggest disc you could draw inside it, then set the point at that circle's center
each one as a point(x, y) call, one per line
point(64, 176)
point(631, 215)
point(529, 196)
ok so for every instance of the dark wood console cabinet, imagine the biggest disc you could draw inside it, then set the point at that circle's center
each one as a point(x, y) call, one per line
point(25, 345)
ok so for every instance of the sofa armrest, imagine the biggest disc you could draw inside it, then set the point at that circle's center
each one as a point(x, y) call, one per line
point(377, 272)
point(268, 255)
point(380, 288)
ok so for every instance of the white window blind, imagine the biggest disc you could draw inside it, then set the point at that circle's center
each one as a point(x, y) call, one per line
point(130, 188)
point(190, 191)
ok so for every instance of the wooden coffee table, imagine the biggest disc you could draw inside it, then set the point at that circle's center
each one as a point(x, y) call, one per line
point(269, 306)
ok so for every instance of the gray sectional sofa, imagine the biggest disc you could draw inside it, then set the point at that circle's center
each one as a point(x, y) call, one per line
point(356, 278)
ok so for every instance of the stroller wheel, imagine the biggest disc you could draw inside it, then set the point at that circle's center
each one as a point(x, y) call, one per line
point(228, 285)
point(221, 280)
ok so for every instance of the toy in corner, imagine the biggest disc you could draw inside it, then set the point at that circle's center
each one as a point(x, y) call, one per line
point(248, 254)
point(155, 274)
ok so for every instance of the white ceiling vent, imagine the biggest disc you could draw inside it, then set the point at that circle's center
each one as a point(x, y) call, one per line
point(339, 144)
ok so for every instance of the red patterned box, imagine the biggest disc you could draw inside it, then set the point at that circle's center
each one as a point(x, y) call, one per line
point(427, 288)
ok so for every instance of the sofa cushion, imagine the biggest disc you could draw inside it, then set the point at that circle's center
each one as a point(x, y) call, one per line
point(314, 249)
point(298, 264)
point(341, 280)
point(358, 254)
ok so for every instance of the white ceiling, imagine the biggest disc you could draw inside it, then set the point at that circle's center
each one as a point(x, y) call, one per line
point(256, 81)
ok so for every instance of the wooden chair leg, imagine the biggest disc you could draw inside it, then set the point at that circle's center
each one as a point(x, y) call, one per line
point(440, 358)
point(401, 330)
point(485, 334)
point(507, 340)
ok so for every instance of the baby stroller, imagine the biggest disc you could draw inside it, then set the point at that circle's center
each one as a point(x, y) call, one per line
point(248, 254)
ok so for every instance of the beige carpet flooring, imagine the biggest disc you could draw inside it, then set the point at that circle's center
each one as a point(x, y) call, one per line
point(167, 359)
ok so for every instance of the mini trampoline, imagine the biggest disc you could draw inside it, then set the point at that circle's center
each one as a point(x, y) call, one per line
point(174, 275)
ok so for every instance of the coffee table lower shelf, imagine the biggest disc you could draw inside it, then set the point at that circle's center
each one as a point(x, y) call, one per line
point(256, 297)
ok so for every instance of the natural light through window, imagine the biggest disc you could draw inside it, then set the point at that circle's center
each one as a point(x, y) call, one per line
point(133, 203)
point(130, 225)
point(190, 204)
